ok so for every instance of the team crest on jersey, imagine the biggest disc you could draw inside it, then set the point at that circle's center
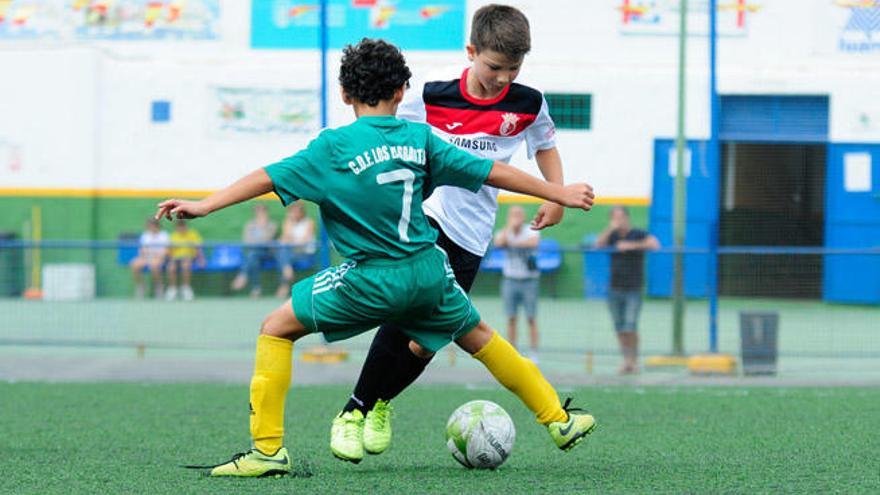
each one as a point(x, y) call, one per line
point(509, 123)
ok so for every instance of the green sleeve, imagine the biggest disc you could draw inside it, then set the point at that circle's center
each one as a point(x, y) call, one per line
point(450, 166)
point(299, 176)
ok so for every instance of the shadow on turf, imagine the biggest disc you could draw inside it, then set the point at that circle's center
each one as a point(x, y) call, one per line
point(303, 470)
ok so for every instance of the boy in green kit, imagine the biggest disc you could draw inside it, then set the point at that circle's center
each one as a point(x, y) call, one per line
point(369, 179)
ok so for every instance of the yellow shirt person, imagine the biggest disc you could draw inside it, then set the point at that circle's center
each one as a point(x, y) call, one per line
point(185, 242)
point(186, 247)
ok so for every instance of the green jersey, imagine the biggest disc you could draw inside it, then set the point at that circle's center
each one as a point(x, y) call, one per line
point(370, 178)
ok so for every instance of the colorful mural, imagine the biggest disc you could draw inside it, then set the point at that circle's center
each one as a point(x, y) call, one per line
point(110, 19)
point(411, 24)
point(661, 17)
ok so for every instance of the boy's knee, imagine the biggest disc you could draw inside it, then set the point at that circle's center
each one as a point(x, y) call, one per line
point(473, 341)
point(272, 325)
point(420, 351)
point(283, 323)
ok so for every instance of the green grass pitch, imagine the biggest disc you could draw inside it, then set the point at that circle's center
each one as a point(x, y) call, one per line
point(131, 438)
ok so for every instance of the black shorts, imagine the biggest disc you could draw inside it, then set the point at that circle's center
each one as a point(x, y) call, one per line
point(464, 263)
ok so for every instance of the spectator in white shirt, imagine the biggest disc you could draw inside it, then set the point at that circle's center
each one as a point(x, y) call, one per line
point(152, 254)
point(520, 276)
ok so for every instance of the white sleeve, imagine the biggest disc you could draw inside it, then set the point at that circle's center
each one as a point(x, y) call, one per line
point(412, 108)
point(541, 135)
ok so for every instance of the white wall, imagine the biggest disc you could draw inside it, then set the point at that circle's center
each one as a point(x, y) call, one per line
point(79, 114)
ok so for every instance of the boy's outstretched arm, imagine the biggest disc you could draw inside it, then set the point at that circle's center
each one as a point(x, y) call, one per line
point(550, 165)
point(248, 187)
point(509, 178)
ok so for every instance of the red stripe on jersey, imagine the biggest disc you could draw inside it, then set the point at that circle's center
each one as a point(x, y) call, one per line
point(465, 121)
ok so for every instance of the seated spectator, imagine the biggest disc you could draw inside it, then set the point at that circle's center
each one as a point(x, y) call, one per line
point(519, 282)
point(297, 240)
point(258, 234)
point(185, 249)
point(152, 252)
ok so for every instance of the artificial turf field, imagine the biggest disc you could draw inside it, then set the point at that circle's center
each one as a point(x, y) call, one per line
point(131, 438)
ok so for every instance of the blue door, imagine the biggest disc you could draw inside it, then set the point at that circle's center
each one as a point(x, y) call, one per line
point(702, 215)
point(852, 222)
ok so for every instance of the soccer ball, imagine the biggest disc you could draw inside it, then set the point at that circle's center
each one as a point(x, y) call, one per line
point(480, 435)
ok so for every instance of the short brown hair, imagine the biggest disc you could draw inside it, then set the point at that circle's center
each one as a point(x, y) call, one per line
point(503, 29)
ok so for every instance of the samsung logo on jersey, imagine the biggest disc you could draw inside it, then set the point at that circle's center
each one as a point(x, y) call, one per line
point(473, 144)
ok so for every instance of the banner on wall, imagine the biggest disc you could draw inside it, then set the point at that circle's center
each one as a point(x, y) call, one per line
point(110, 19)
point(859, 22)
point(410, 24)
point(662, 17)
point(265, 111)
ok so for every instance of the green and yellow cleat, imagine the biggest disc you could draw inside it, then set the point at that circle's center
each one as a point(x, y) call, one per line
point(567, 435)
point(254, 464)
point(347, 436)
point(377, 428)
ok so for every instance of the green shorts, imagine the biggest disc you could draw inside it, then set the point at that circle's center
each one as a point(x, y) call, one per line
point(419, 294)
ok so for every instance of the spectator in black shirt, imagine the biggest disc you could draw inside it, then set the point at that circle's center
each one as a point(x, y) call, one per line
point(627, 279)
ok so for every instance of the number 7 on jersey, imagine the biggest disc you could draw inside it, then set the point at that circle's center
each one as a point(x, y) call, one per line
point(407, 177)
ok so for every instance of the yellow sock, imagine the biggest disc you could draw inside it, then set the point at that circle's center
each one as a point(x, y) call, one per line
point(523, 378)
point(268, 390)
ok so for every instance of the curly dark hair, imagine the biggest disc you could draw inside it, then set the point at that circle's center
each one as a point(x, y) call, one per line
point(372, 71)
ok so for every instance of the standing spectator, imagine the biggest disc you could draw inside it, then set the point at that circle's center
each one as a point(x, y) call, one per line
point(520, 283)
point(627, 279)
point(152, 252)
point(186, 247)
point(258, 234)
point(297, 239)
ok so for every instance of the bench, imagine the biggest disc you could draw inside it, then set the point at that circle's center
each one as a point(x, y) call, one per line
point(218, 257)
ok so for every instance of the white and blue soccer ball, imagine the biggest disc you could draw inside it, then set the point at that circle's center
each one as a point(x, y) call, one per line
point(480, 434)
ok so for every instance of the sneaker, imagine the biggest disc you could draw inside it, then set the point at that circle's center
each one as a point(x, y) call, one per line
point(171, 294)
point(253, 464)
point(187, 293)
point(377, 428)
point(567, 435)
point(347, 436)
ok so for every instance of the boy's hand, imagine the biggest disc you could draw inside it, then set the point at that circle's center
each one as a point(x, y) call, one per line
point(578, 196)
point(177, 208)
point(549, 214)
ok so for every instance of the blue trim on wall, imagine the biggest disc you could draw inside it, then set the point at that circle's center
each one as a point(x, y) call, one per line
point(774, 118)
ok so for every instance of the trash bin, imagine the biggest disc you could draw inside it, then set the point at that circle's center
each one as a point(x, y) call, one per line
point(11, 266)
point(759, 332)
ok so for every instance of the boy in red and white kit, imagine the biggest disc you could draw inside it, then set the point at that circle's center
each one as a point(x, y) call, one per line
point(486, 113)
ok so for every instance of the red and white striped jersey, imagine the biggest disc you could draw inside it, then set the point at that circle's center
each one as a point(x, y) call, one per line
point(492, 129)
